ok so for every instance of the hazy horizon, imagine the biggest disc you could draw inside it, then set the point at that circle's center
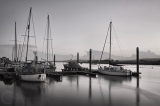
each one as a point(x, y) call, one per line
point(7, 51)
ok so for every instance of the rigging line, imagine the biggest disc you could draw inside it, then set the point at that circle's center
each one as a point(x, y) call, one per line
point(44, 41)
point(18, 51)
point(23, 42)
point(20, 41)
point(25, 36)
point(104, 45)
point(45, 53)
point(52, 49)
point(12, 53)
point(118, 43)
point(12, 46)
point(51, 40)
point(34, 32)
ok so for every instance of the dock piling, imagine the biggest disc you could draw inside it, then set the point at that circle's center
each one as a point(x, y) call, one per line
point(77, 57)
point(137, 50)
point(90, 60)
point(54, 60)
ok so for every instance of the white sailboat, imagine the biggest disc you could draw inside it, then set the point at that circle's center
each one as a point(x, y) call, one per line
point(114, 69)
point(31, 71)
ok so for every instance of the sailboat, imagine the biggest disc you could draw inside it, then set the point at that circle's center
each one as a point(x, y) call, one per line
point(31, 71)
point(50, 67)
point(114, 69)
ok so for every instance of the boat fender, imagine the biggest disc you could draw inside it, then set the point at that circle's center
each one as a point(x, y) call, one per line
point(39, 76)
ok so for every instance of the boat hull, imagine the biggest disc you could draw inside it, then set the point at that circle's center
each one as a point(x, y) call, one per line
point(33, 77)
point(115, 73)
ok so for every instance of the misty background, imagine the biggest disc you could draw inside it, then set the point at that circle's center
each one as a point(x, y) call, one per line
point(80, 25)
point(7, 51)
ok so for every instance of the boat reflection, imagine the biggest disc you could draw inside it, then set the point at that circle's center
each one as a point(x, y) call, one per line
point(53, 80)
point(73, 78)
point(31, 93)
point(6, 81)
point(114, 79)
point(113, 83)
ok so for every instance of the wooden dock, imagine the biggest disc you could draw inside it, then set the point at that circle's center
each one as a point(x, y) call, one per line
point(59, 74)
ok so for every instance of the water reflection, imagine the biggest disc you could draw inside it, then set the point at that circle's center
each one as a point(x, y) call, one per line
point(53, 80)
point(6, 81)
point(113, 81)
point(79, 90)
point(31, 93)
point(90, 87)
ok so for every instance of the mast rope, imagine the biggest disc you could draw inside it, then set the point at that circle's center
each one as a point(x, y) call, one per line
point(24, 40)
point(104, 46)
point(20, 49)
point(34, 32)
point(44, 41)
point(118, 42)
point(51, 41)
point(119, 45)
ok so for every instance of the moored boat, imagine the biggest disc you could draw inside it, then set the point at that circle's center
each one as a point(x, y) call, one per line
point(31, 71)
point(73, 66)
point(113, 69)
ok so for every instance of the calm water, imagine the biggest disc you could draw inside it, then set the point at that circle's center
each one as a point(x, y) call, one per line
point(81, 90)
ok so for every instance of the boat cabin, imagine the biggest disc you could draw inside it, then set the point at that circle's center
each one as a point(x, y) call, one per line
point(116, 68)
point(33, 68)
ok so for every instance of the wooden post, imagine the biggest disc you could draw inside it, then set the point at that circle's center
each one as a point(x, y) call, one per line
point(54, 61)
point(137, 50)
point(77, 57)
point(137, 61)
point(90, 59)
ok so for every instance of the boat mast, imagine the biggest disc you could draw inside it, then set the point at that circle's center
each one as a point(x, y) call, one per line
point(28, 27)
point(47, 36)
point(15, 58)
point(110, 42)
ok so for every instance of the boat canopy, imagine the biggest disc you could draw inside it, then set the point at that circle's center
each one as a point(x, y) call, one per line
point(73, 64)
point(31, 68)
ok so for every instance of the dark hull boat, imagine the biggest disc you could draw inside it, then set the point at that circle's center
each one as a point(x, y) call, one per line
point(73, 66)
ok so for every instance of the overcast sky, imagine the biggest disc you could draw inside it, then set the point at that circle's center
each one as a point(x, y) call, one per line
point(78, 25)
